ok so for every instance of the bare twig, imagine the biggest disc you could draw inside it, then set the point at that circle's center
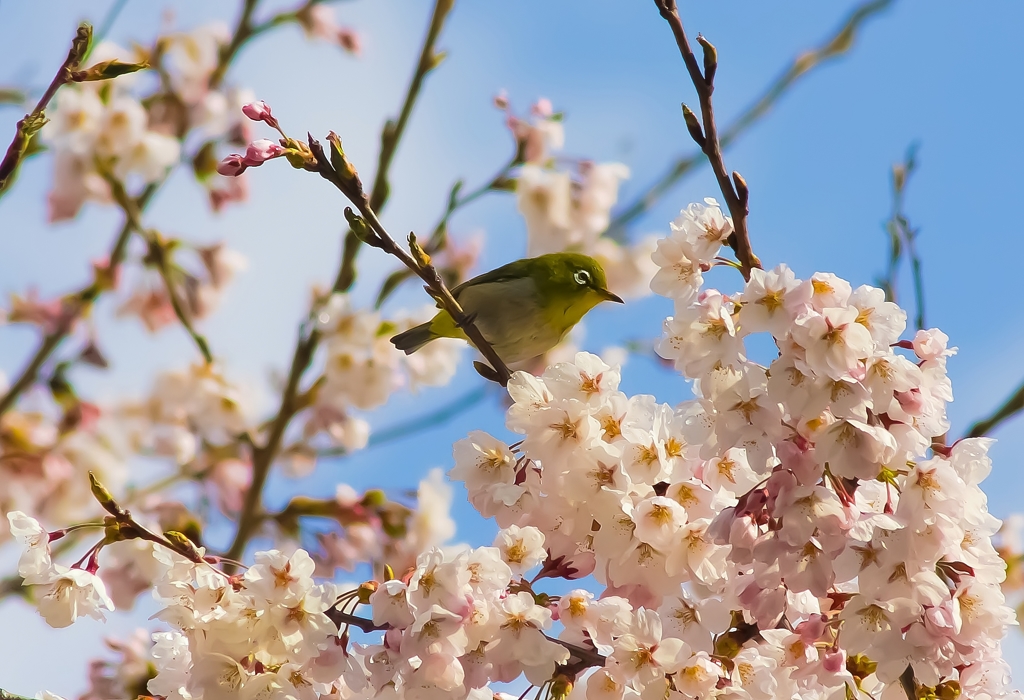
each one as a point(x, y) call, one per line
point(344, 177)
point(705, 133)
point(439, 238)
point(836, 45)
point(391, 136)
point(28, 127)
point(158, 257)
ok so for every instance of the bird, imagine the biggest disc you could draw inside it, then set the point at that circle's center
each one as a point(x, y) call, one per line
point(524, 308)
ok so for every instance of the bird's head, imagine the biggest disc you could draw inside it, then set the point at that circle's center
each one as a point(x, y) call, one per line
point(574, 282)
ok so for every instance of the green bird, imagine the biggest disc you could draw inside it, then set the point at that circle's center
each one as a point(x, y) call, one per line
point(524, 308)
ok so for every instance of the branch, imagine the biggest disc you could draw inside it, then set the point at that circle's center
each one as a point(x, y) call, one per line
point(392, 136)
point(581, 656)
point(735, 190)
point(28, 127)
point(439, 237)
point(836, 45)
point(1011, 407)
point(158, 255)
point(243, 32)
point(76, 305)
point(344, 177)
point(86, 296)
point(263, 457)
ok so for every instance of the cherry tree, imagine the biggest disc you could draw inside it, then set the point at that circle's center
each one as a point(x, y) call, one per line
point(802, 526)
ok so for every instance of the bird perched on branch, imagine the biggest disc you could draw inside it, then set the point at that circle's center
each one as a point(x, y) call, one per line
point(524, 308)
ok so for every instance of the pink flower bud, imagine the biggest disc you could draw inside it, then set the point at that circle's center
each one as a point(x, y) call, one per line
point(501, 100)
point(350, 41)
point(543, 108)
point(834, 661)
point(260, 151)
point(259, 111)
point(232, 166)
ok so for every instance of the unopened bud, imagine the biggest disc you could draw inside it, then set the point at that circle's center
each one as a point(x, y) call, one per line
point(360, 228)
point(418, 254)
point(710, 59)
point(103, 496)
point(693, 126)
point(259, 111)
point(742, 191)
point(183, 544)
point(232, 166)
point(107, 71)
point(80, 45)
point(346, 171)
point(374, 498)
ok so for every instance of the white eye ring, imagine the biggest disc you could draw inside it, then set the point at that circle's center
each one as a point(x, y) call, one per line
point(582, 277)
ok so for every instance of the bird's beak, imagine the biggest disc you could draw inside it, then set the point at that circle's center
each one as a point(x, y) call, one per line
point(608, 296)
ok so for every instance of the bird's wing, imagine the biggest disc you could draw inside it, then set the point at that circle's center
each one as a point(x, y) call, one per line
point(505, 273)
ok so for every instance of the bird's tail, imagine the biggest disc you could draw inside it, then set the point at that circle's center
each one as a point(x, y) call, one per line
point(415, 338)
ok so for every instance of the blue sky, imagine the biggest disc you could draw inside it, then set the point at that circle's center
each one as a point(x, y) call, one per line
point(818, 165)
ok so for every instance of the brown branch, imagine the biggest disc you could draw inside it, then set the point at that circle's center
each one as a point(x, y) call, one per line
point(76, 305)
point(581, 658)
point(735, 190)
point(391, 136)
point(343, 176)
point(263, 457)
point(28, 127)
point(158, 256)
point(836, 45)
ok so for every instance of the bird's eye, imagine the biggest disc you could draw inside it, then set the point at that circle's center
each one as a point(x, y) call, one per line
point(582, 277)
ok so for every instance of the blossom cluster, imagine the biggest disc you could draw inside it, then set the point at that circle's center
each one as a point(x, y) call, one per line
point(790, 515)
point(797, 529)
point(109, 126)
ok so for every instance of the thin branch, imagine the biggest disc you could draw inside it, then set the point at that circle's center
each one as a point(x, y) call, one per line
point(733, 190)
point(263, 457)
point(1011, 407)
point(391, 136)
point(347, 182)
point(75, 305)
point(439, 237)
point(581, 656)
point(243, 32)
point(28, 127)
point(836, 45)
point(158, 256)
point(83, 299)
